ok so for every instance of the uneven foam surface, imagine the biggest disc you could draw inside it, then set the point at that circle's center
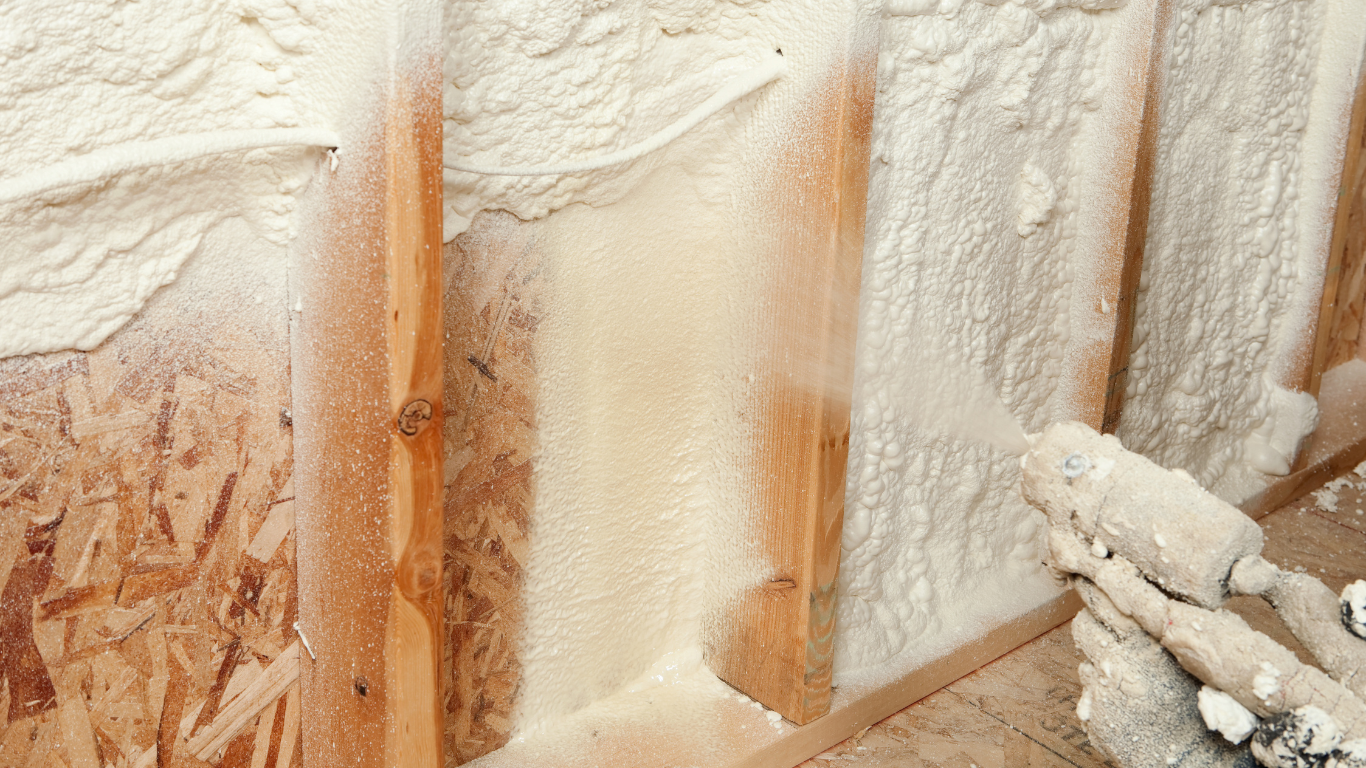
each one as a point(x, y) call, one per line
point(575, 80)
point(78, 261)
point(1251, 128)
point(977, 198)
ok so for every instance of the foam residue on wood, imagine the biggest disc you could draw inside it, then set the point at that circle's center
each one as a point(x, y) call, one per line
point(1258, 98)
point(147, 590)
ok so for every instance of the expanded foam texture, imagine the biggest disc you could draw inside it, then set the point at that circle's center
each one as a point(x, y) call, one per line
point(78, 262)
point(653, 269)
point(1252, 131)
point(985, 128)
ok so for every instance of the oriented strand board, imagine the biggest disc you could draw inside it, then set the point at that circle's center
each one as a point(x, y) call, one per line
point(493, 307)
point(146, 549)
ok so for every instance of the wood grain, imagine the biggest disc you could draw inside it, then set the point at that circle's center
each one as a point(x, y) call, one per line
point(1344, 292)
point(413, 213)
point(368, 359)
point(777, 645)
point(944, 729)
point(493, 307)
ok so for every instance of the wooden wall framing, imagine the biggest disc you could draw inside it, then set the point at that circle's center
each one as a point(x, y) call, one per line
point(148, 594)
point(778, 645)
point(1338, 338)
point(778, 651)
point(370, 461)
point(1141, 99)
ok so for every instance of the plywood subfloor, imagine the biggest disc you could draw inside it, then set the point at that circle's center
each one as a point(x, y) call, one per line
point(1021, 709)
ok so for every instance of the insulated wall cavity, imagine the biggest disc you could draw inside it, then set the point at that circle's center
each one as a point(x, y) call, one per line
point(999, 140)
point(606, 340)
point(1253, 129)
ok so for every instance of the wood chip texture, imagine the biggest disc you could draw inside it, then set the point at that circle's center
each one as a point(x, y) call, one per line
point(146, 552)
point(493, 306)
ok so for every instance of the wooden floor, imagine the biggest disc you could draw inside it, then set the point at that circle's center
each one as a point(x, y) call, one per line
point(1020, 710)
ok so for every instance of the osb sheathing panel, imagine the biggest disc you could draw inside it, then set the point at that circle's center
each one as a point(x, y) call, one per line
point(147, 590)
point(493, 307)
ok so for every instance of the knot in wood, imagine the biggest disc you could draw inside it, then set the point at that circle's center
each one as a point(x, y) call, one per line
point(427, 578)
point(419, 576)
point(415, 417)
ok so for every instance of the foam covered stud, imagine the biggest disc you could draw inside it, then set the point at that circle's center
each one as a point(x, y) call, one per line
point(1182, 537)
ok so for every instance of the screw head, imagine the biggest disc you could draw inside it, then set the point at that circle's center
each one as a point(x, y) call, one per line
point(1075, 466)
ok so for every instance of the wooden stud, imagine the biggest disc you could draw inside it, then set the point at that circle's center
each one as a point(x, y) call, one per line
point(777, 646)
point(1337, 339)
point(1122, 260)
point(368, 358)
point(413, 213)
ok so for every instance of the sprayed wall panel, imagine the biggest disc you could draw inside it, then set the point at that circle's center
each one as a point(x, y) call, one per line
point(1259, 98)
point(998, 267)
